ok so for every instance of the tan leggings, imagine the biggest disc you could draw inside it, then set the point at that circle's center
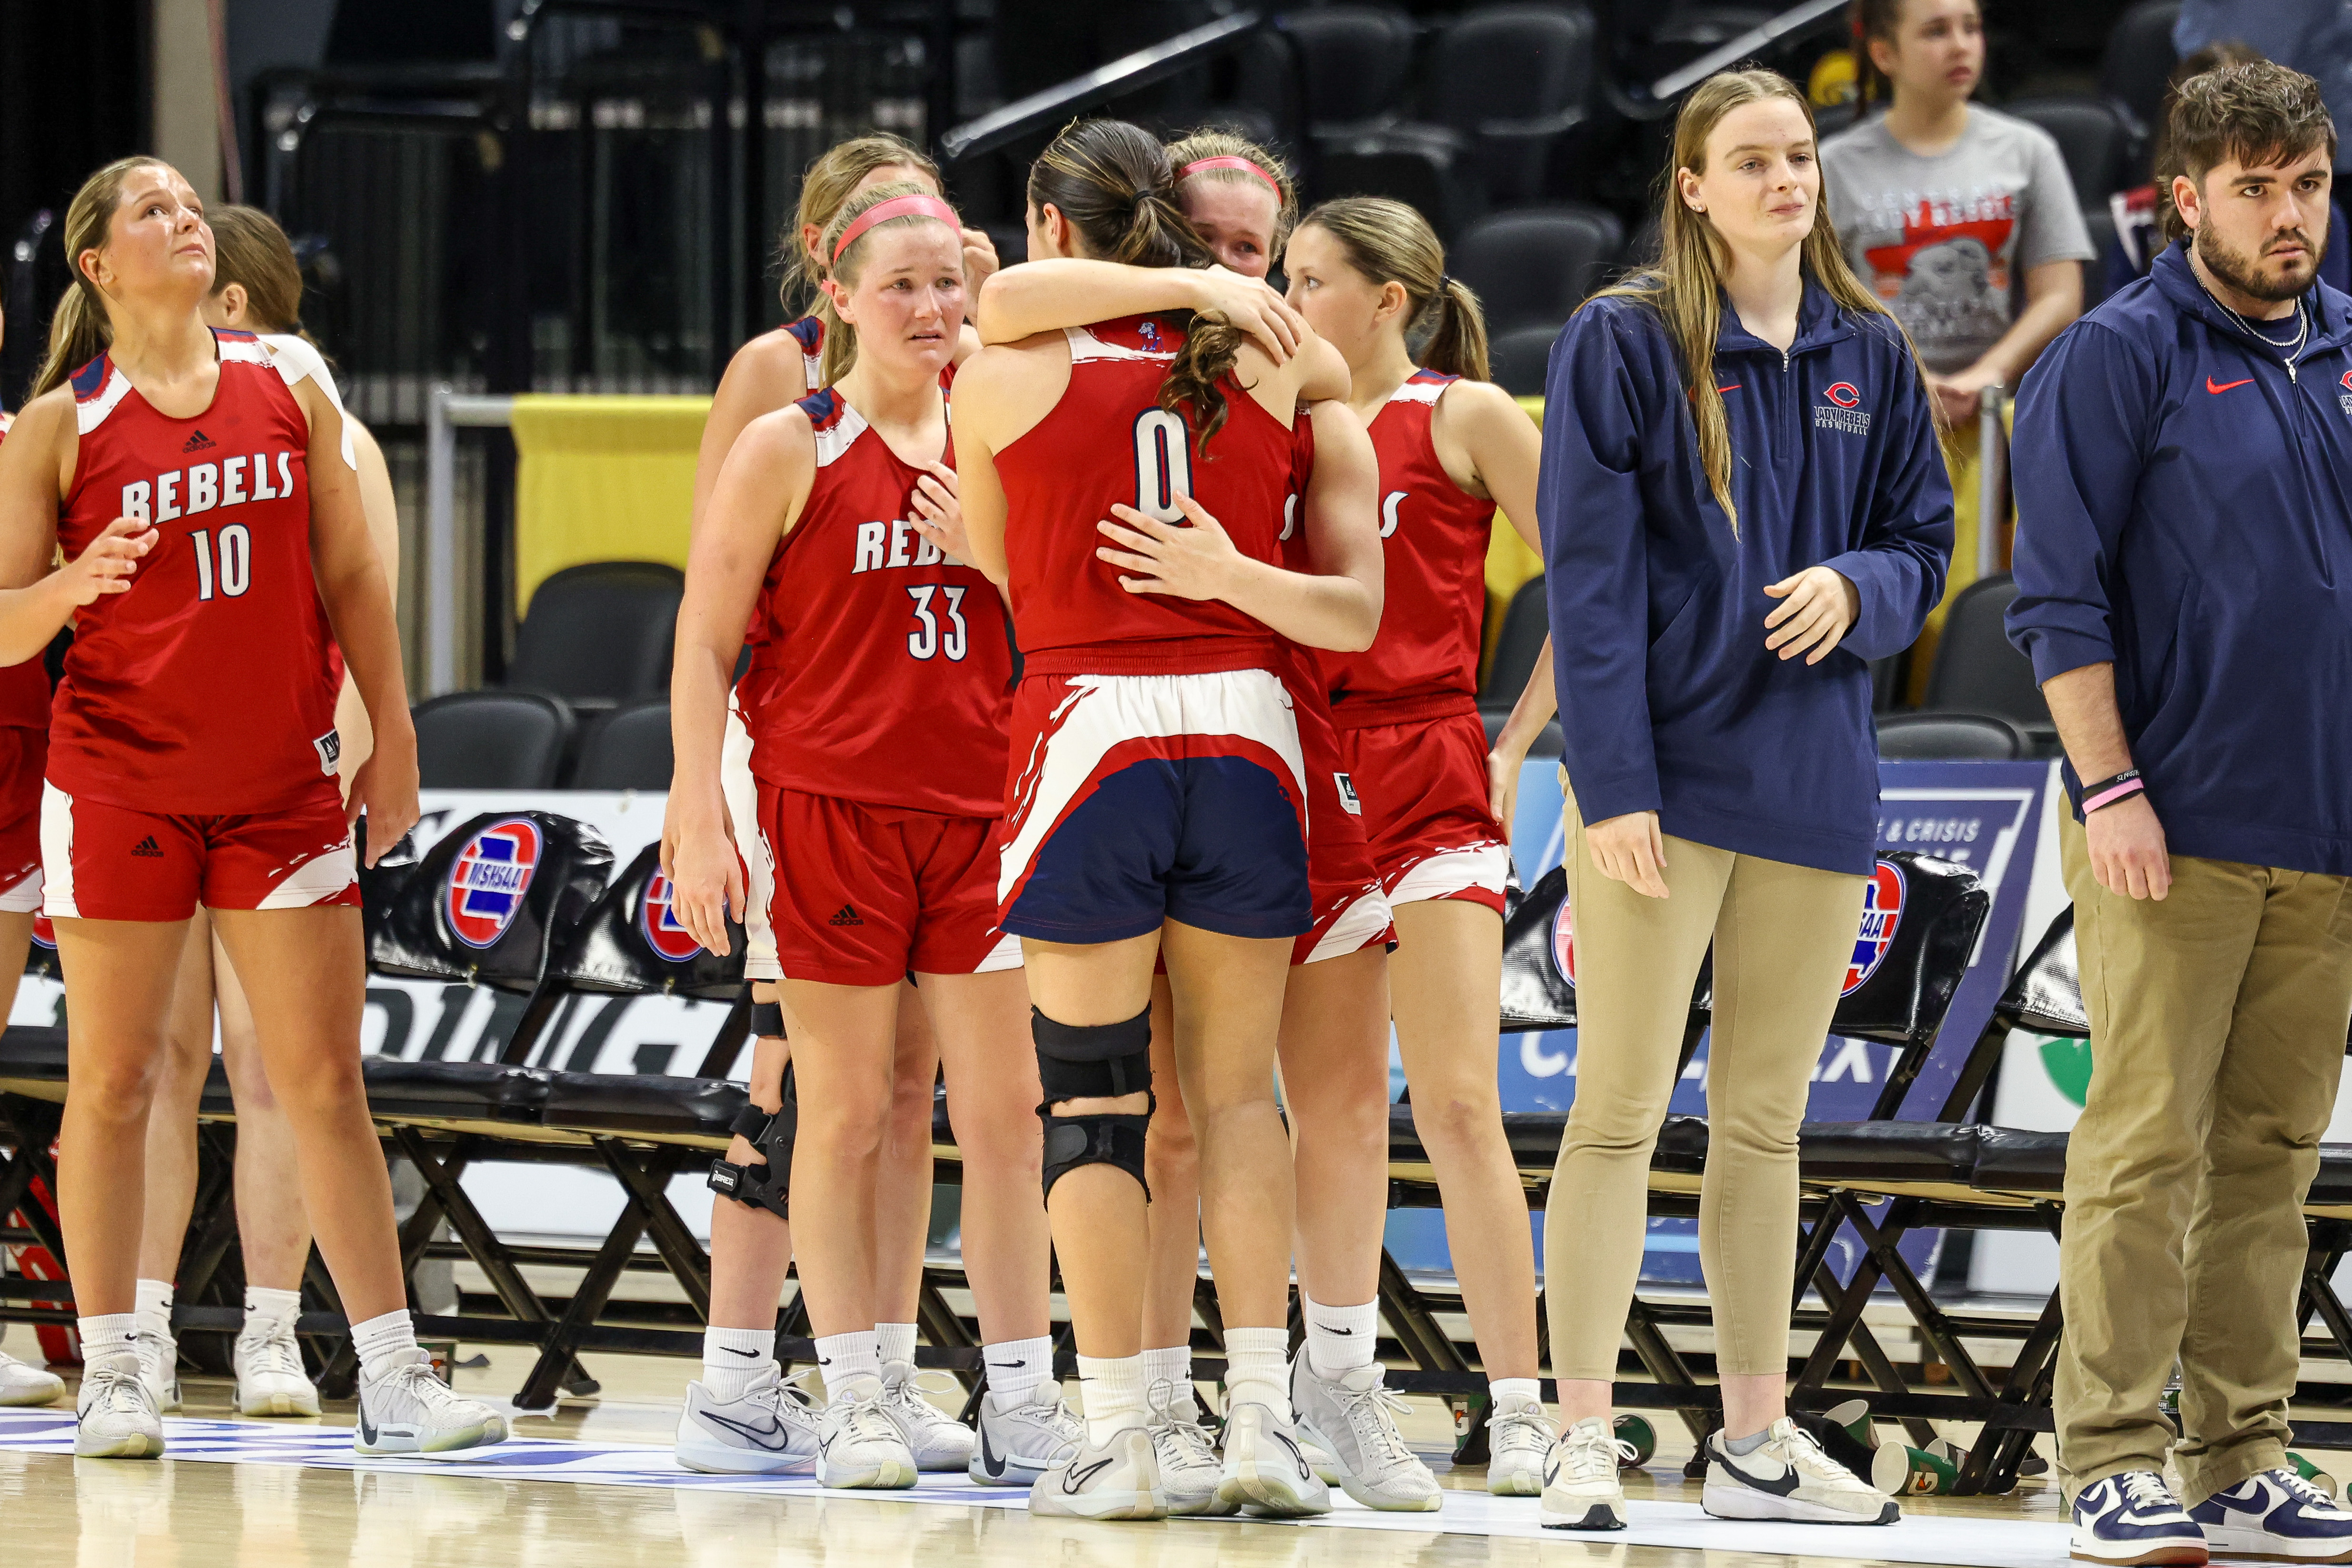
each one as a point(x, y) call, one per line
point(1784, 935)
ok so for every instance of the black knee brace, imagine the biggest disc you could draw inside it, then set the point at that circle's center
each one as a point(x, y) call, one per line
point(768, 1020)
point(1094, 1061)
point(767, 1186)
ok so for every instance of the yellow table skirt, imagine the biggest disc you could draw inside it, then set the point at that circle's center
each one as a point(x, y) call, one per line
point(602, 479)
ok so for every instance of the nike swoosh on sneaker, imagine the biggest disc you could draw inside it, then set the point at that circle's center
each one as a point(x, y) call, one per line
point(1296, 1458)
point(1075, 1479)
point(775, 1429)
point(1783, 1486)
point(989, 1459)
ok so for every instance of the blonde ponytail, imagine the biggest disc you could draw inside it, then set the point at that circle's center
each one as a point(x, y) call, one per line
point(1389, 242)
point(79, 332)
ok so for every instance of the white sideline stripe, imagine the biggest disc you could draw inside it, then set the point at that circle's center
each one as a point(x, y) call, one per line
point(1971, 1543)
point(57, 854)
point(1451, 871)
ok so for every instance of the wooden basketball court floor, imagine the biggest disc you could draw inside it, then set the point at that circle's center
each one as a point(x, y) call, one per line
point(594, 1486)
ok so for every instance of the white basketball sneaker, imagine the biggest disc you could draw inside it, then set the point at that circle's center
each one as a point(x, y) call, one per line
point(1020, 1440)
point(1266, 1471)
point(21, 1383)
point(1119, 1481)
point(1189, 1470)
point(859, 1445)
point(1518, 1440)
point(1353, 1418)
point(770, 1429)
point(937, 1440)
point(114, 1414)
point(407, 1410)
point(1789, 1477)
point(1580, 1489)
point(270, 1376)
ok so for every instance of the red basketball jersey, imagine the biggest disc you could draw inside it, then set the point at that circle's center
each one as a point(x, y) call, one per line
point(24, 688)
point(207, 687)
point(888, 670)
point(1424, 663)
point(1108, 441)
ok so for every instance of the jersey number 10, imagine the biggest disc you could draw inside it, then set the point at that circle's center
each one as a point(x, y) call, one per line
point(234, 573)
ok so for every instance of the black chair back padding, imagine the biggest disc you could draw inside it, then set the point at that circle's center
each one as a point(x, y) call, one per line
point(1520, 359)
point(631, 945)
point(2139, 60)
point(1525, 624)
point(494, 902)
point(642, 1105)
point(630, 749)
point(453, 1091)
point(1352, 61)
point(2011, 1161)
point(1924, 737)
point(1533, 266)
point(1427, 167)
point(31, 1054)
point(1910, 956)
point(2047, 996)
point(599, 633)
point(1682, 1146)
point(1976, 669)
point(2333, 1184)
point(1831, 1152)
point(491, 740)
point(1517, 79)
point(1538, 991)
point(2092, 138)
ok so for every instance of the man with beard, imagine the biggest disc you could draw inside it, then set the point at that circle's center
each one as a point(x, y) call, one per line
point(2184, 570)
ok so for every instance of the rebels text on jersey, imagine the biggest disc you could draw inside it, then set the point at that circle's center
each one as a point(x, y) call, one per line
point(1108, 442)
point(1424, 663)
point(887, 673)
point(206, 686)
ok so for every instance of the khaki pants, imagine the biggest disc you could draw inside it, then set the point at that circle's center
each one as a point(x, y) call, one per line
point(1783, 936)
point(2216, 1020)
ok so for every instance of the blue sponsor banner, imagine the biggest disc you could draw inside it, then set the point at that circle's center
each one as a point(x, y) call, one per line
point(1985, 816)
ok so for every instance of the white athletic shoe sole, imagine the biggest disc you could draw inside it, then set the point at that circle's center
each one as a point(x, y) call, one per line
point(1736, 1501)
point(889, 1473)
point(1050, 1502)
point(2123, 1556)
point(2264, 1547)
point(706, 1456)
point(1272, 1484)
point(122, 1446)
point(428, 1443)
point(283, 1402)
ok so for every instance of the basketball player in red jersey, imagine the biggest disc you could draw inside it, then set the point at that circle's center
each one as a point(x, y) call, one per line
point(751, 1241)
point(1365, 272)
point(24, 747)
point(880, 751)
point(1333, 1047)
point(219, 545)
point(1157, 803)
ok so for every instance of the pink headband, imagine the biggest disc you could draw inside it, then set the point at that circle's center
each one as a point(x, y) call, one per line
point(897, 207)
point(1243, 164)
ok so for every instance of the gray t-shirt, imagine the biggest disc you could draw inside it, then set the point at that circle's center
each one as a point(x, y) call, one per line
point(1944, 239)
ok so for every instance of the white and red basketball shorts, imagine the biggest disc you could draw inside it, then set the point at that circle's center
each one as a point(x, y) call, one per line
point(1139, 799)
point(1351, 911)
point(103, 862)
point(742, 793)
point(865, 894)
point(24, 754)
point(1424, 785)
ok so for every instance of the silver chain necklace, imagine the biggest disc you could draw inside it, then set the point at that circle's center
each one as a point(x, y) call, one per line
point(2302, 335)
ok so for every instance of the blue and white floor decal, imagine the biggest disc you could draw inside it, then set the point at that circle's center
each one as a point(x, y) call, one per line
point(1975, 1543)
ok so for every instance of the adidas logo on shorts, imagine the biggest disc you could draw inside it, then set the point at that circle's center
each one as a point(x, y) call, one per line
point(846, 915)
point(148, 849)
point(199, 442)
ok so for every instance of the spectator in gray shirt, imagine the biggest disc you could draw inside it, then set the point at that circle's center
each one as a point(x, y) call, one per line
point(1964, 221)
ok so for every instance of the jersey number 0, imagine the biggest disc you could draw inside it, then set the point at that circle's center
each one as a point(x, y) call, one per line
point(1163, 465)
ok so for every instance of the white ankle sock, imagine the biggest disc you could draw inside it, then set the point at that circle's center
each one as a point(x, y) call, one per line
point(279, 1306)
point(154, 1309)
point(1514, 1393)
point(381, 1342)
point(1171, 1366)
point(731, 1357)
point(1341, 1339)
point(850, 1362)
point(895, 1342)
point(1015, 1368)
point(1257, 1372)
point(1110, 1389)
point(109, 1335)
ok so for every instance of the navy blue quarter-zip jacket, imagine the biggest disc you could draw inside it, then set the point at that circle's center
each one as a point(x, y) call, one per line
point(2184, 509)
point(1669, 700)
